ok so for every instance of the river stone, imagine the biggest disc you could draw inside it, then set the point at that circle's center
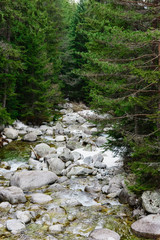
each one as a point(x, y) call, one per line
point(27, 180)
point(42, 149)
point(148, 227)
point(40, 198)
point(66, 155)
point(104, 234)
point(115, 186)
point(11, 133)
point(60, 138)
point(100, 141)
point(24, 216)
point(79, 171)
point(15, 226)
point(57, 228)
point(30, 137)
point(12, 195)
point(151, 201)
point(56, 165)
point(4, 208)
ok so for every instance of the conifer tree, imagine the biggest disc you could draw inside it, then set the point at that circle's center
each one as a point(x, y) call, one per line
point(122, 66)
point(74, 83)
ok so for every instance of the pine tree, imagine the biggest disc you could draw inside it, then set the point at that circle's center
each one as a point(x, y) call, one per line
point(10, 61)
point(122, 66)
point(75, 84)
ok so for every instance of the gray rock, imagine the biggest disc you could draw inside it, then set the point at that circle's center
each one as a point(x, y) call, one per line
point(42, 149)
point(60, 138)
point(12, 195)
point(59, 129)
point(98, 158)
point(30, 137)
point(36, 165)
point(105, 189)
point(44, 128)
point(104, 234)
point(66, 155)
point(80, 171)
point(151, 201)
point(32, 179)
point(71, 145)
point(50, 238)
point(15, 226)
point(62, 179)
point(100, 165)
point(4, 208)
point(56, 165)
point(11, 133)
point(37, 132)
point(115, 186)
point(40, 198)
point(148, 227)
point(24, 216)
point(100, 141)
point(56, 187)
point(49, 132)
point(77, 156)
point(57, 228)
point(88, 160)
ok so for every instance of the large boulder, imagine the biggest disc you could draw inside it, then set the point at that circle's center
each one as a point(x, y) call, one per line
point(55, 165)
point(27, 180)
point(30, 137)
point(104, 234)
point(148, 227)
point(42, 149)
point(12, 195)
point(11, 133)
point(151, 201)
point(15, 226)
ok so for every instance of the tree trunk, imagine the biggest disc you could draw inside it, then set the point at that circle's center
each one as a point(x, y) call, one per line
point(8, 37)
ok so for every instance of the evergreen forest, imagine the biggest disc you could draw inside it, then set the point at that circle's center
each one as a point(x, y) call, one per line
point(105, 53)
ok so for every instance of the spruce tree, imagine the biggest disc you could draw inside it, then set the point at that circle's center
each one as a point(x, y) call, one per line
point(122, 66)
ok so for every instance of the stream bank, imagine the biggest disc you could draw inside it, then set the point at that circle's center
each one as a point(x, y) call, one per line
point(63, 184)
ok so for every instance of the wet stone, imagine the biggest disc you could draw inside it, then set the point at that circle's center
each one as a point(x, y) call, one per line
point(104, 234)
point(15, 226)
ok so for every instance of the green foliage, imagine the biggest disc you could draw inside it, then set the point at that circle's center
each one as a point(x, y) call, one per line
point(4, 116)
point(30, 39)
point(121, 64)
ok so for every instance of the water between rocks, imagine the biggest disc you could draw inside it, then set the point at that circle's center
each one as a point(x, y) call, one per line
point(78, 204)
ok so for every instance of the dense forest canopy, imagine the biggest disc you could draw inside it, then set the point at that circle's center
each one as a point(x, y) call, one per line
point(105, 53)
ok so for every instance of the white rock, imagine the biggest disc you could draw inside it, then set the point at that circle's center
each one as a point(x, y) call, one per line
point(40, 198)
point(57, 228)
point(148, 227)
point(104, 234)
point(11, 133)
point(12, 194)
point(5, 205)
point(32, 179)
point(24, 216)
point(30, 137)
point(151, 201)
point(42, 149)
point(15, 226)
point(56, 165)
point(60, 138)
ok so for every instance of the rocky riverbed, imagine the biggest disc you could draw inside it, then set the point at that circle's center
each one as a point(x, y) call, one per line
point(57, 182)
